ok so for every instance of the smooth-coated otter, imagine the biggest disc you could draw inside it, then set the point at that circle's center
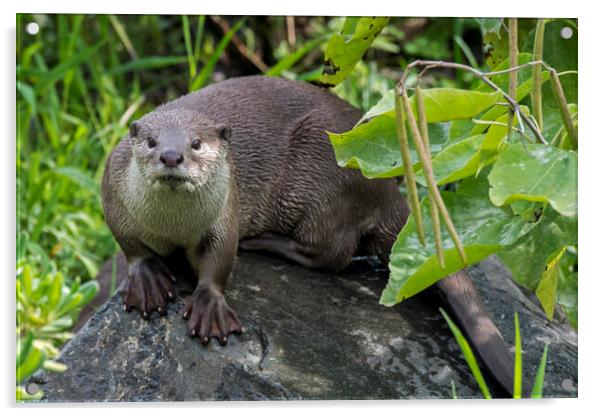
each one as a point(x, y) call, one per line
point(249, 159)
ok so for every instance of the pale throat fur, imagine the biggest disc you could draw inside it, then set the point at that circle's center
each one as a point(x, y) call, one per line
point(170, 217)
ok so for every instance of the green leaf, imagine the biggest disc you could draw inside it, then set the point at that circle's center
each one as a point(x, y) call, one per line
point(547, 287)
point(33, 361)
point(568, 285)
point(58, 325)
point(55, 290)
point(536, 173)
point(455, 162)
point(468, 355)
point(373, 147)
point(88, 291)
point(54, 366)
point(441, 104)
point(24, 344)
point(342, 54)
point(537, 392)
point(483, 229)
point(68, 304)
point(547, 237)
point(28, 94)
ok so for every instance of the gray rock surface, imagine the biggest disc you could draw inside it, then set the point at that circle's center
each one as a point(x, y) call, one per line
point(308, 335)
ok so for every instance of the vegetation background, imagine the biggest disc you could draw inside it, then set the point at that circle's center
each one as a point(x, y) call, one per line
point(82, 78)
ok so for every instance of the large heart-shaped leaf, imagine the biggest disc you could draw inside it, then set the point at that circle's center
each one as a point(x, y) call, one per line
point(440, 104)
point(373, 147)
point(483, 229)
point(536, 173)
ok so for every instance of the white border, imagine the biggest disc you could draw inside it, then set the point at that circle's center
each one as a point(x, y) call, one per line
point(589, 179)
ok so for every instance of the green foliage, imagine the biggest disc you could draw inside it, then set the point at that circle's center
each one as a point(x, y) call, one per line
point(372, 145)
point(46, 309)
point(80, 82)
point(483, 228)
point(344, 50)
point(533, 184)
point(536, 173)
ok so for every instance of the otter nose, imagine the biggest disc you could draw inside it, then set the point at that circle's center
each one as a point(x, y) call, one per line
point(171, 159)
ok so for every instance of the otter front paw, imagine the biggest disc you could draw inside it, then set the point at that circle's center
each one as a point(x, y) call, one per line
point(149, 286)
point(210, 316)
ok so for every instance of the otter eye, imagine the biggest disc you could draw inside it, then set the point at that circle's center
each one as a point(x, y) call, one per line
point(151, 142)
point(196, 144)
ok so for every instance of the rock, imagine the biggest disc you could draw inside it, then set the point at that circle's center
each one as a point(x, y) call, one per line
point(308, 335)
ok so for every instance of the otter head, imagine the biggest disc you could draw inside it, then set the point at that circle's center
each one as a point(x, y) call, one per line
point(178, 148)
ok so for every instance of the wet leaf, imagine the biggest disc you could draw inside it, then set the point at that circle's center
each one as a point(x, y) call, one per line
point(441, 104)
point(455, 162)
point(483, 229)
point(373, 147)
point(536, 173)
point(547, 287)
point(551, 233)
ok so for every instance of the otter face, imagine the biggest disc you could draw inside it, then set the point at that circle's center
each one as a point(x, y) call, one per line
point(178, 149)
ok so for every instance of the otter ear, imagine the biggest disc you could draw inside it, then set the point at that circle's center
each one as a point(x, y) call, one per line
point(224, 132)
point(134, 128)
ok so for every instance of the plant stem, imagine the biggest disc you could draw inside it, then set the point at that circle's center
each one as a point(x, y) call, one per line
point(512, 62)
point(564, 109)
point(430, 178)
point(536, 96)
point(402, 137)
point(483, 77)
point(432, 207)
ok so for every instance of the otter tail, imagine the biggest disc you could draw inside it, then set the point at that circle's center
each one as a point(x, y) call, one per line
point(463, 300)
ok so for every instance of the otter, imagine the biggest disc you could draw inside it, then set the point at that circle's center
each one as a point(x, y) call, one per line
point(247, 163)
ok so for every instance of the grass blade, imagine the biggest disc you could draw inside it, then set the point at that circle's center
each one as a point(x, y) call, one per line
point(149, 62)
point(518, 360)
point(537, 392)
point(468, 355)
point(291, 59)
point(188, 44)
point(207, 70)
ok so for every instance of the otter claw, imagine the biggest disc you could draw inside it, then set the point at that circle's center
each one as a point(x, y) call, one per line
point(148, 287)
point(209, 316)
